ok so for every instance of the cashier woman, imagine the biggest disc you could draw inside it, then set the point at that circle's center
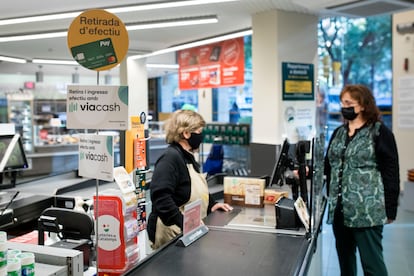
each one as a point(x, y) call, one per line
point(177, 180)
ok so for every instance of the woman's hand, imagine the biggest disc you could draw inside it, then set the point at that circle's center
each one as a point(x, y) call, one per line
point(222, 206)
point(296, 172)
point(389, 221)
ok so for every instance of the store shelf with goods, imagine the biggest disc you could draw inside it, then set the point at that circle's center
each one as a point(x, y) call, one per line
point(234, 141)
point(20, 110)
point(49, 123)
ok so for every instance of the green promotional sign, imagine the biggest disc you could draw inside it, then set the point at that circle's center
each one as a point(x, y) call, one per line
point(297, 81)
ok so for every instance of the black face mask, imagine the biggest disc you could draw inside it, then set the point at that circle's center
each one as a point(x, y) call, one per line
point(195, 140)
point(349, 113)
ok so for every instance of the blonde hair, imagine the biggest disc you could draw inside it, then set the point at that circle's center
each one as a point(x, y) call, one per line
point(181, 121)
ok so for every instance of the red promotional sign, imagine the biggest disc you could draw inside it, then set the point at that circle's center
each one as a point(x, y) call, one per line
point(212, 65)
point(111, 244)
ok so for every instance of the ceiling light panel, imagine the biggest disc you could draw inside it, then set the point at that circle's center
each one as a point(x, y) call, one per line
point(53, 61)
point(12, 59)
point(115, 10)
point(130, 27)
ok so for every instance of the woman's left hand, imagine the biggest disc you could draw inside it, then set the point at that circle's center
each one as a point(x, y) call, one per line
point(222, 206)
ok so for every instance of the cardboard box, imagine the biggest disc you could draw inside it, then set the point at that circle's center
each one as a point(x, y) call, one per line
point(244, 191)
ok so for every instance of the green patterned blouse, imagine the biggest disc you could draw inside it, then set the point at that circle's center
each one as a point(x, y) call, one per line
point(355, 174)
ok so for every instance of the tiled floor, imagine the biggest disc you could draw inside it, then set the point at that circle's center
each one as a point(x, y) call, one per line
point(398, 243)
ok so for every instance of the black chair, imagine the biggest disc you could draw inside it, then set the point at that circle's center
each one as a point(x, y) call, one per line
point(74, 229)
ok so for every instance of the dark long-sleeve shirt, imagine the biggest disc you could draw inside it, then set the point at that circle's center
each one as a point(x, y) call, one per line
point(170, 187)
point(386, 160)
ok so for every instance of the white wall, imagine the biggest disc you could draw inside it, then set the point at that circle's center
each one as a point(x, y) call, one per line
point(134, 74)
point(403, 47)
point(278, 37)
point(205, 103)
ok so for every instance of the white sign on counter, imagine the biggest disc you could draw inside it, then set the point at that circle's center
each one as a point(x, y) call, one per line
point(97, 107)
point(96, 156)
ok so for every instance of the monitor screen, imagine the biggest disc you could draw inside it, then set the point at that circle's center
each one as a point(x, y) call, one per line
point(281, 165)
point(12, 153)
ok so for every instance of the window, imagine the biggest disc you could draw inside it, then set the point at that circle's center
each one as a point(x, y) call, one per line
point(355, 51)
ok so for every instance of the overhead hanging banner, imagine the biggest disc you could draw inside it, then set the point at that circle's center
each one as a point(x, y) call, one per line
point(98, 40)
point(212, 65)
point(97, 107)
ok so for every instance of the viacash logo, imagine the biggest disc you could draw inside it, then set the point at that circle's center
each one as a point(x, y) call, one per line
point(81, 155)
point(100, 107)
point(73, 107)
point(95, 157)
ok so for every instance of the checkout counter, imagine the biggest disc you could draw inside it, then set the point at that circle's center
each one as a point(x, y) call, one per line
point(241, 242)
point(245, 241)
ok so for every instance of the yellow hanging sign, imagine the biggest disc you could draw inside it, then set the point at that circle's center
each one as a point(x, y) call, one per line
point(98, 40)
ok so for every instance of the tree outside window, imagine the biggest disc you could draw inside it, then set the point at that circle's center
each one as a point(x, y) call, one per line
point(355, 51)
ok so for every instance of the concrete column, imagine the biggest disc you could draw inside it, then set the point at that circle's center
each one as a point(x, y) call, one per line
point(133, 73)
point(278, 36)
point(205, 104)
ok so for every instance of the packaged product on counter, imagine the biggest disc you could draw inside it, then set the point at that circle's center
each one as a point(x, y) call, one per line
point(131, 228)
point(11, 253)
point(3, 252)
point(27, 261)
point(244, 191)
point(132, 253)
point(14, 267)
point(129, 199)
point(142, 214)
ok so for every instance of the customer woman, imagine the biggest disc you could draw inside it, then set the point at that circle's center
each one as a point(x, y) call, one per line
point(177, 180)
point(363, 182)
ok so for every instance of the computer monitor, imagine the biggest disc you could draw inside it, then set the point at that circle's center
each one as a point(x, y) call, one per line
point(12, 158)
point(12, 153)
point(281, 165)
